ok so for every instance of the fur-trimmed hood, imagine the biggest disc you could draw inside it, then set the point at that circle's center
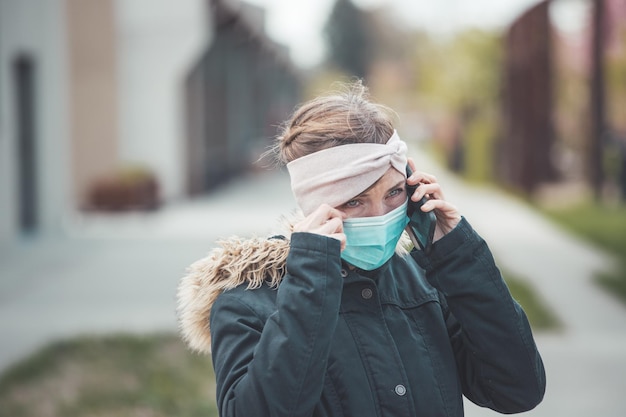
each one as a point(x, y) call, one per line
point(235, 261)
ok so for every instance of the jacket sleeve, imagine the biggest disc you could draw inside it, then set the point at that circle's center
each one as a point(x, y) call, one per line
point(277, 367)
point(498, 362)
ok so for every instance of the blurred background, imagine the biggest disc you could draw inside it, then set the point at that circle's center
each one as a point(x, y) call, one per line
point(131, 133)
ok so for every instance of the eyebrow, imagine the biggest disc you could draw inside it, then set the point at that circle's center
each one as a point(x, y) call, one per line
point(364, 193)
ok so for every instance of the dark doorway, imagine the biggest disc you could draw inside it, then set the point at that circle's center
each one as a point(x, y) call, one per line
point(24, 82)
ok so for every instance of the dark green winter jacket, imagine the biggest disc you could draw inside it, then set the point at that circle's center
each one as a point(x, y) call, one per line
point(321, 339)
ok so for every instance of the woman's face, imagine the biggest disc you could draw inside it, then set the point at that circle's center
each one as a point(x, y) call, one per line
point(386, 194)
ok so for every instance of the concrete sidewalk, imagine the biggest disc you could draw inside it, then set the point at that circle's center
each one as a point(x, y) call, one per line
point(119, 273)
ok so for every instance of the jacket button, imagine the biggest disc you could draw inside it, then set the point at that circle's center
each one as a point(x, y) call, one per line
point(344, 273)
point(400, 390)
point(367, 293)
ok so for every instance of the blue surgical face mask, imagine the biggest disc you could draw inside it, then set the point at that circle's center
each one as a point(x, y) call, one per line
point(371, 241)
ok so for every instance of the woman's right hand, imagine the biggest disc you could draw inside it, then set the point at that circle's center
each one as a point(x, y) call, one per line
point(325, 221)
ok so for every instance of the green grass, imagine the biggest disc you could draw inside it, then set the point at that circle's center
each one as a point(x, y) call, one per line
point(120, 375)
point(605, 226)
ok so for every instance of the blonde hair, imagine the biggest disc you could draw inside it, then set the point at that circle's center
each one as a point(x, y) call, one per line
point(340, 118)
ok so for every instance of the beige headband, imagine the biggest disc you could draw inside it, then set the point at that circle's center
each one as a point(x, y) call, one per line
point(336, 175)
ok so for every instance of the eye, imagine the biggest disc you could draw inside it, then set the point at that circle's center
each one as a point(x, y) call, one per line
point(351, 204)
point(396, 192)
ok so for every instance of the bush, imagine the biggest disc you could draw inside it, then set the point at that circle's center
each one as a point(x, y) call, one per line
point(131, 188)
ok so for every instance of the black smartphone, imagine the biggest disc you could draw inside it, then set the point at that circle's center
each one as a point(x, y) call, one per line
point(421, 224)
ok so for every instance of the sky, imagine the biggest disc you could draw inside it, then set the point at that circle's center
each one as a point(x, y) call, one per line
point(299, 23)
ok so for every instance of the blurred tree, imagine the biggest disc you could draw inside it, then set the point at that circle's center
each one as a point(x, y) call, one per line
point(527, 142)
point(458, 85)
point(390, 74)
point(616, 86)
point(347, 35)
point(615, 80)
point(598, 105)
point(389, 39)
point(571, 105)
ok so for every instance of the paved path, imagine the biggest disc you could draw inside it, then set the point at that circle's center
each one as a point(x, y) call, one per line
point(120, 274)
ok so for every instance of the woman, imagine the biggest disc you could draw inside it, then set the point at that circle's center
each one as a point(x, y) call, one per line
point(336, 318)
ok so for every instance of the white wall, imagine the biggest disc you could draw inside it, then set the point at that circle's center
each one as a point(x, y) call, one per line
point(36, 28)
point(158, 40)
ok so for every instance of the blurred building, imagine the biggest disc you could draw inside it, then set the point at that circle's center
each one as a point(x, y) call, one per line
point(90, 86)
point(242, 86)
point(34, 114)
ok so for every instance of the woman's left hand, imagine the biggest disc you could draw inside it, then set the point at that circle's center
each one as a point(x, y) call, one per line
point(447, 214)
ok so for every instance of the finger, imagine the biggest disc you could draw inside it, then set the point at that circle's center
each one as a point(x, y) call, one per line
point(331, 226)
point(336, 213)
point(424, 177)
point(324, 221)
point(419, 177)
point(430, 190)
point(411, 163)
point(448, 217)
point(433, 191)
point(442, 208)
point(321, 215)
point(430, 178)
